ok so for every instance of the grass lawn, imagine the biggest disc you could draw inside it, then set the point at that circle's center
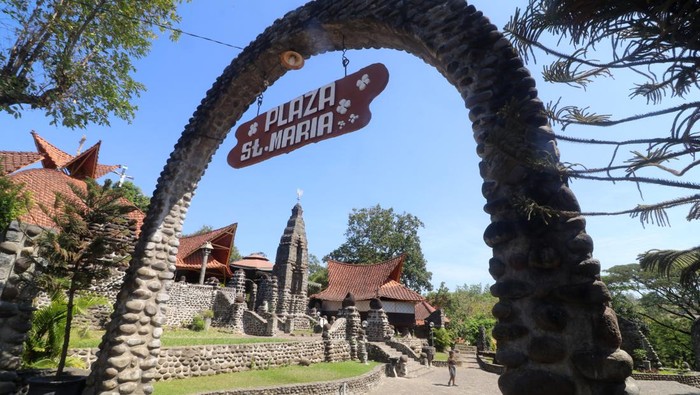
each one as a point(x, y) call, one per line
point(263, 378)
point(441, 356)
point(178, 337)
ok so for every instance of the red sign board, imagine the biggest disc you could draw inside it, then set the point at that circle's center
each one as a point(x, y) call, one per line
point(332, 110)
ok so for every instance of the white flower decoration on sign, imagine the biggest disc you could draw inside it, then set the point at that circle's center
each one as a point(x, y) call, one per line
point(343, 106)
point(253, 129)
point(363, 82)
point(341, 124)
point(353, 118)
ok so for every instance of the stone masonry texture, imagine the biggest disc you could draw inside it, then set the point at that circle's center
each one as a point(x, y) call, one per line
point(555, 333)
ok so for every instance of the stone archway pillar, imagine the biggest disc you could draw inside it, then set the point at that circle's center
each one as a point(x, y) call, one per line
point(556, 333)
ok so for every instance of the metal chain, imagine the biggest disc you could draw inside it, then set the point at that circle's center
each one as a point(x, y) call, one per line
point(260, 102)
point(346, 61)
point(260, 96)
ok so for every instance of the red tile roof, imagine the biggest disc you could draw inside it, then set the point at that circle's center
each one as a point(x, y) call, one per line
point(12, 161)
point(190, 255)
point(423, 311)
point(79, 166)
point(54, 158)
point(366, 281)
point(254, 261)
point(43, 185)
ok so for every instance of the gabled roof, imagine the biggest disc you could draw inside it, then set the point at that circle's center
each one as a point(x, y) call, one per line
point(190, 255)
point(367, 281)
point(85, 165)
point(43, 185)
point(53, 158)
point(423, 311)
point(80, 166)
point(11, 161)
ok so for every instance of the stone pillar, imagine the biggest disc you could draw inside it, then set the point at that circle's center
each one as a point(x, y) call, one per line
point(268, 293)
point(378, 329)
point(353, 323)
point(239, 282)
point(482, 342)
point(253, 297)
point(362, 346)
point(271, 328)
point(238, 308)
point(17, 270)
point(327, 343)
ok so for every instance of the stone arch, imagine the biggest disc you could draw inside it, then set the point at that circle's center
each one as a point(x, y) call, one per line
point(556, 333)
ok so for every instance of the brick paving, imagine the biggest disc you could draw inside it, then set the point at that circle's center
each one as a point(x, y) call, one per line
point(473, 381)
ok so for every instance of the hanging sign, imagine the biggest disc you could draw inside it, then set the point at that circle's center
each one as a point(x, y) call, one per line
point(332, 110)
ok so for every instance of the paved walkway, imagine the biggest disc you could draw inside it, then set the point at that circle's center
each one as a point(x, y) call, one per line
point(473, 381)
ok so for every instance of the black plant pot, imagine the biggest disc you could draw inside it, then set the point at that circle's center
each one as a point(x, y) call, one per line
point(52, 385)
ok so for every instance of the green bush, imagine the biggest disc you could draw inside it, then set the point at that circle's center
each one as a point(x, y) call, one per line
point(442, 339)
point(639, 355)
point(197, 324)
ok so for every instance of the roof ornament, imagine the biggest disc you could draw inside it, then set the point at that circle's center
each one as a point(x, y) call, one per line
point(80, 144)
point(122, 175)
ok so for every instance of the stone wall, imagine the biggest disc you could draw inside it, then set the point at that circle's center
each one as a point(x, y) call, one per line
point(336, 350)
point(184, 362)
point(689, 379)
point(16, 295)
point(188, 300)
point(355, 385)
point(337, 330)
point(255, 324)
point(410, 347)
point(489, 367)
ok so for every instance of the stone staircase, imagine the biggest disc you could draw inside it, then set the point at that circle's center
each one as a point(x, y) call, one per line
point(413, 367)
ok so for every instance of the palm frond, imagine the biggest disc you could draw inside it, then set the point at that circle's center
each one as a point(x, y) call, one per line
point(651, 215)
point(667, 262)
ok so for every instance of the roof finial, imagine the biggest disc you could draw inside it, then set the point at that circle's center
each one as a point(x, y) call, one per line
point(80, 146)
point(300, 193)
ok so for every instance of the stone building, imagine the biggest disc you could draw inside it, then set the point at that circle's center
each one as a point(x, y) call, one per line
point(365, 282)
point(190, 255)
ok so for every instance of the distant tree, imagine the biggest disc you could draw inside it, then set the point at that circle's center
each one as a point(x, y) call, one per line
point(318, 272)
point(662, 304)
point(73, 59)
point(468, 308)
point(235, 255)
point(376, 234)
point(14, 201)
point(657, 42)
point(91, 232)
point(202, 230)
point(134, 194)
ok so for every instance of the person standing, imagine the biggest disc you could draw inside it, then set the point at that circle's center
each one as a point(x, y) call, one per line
point(452, 366)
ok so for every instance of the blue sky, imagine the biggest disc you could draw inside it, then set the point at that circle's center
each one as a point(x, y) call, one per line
point(417, 154)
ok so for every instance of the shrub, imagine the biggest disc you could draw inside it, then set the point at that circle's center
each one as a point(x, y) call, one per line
point(197, 324)
point(442, 339)
point(639, 355)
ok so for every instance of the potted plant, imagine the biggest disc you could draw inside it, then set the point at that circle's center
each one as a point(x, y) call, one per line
point(91, 235)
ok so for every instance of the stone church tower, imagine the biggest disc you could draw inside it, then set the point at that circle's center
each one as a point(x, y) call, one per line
point(291, 266)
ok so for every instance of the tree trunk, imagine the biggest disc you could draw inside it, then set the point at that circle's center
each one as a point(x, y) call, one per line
point(695, 337)
point(66, 335)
